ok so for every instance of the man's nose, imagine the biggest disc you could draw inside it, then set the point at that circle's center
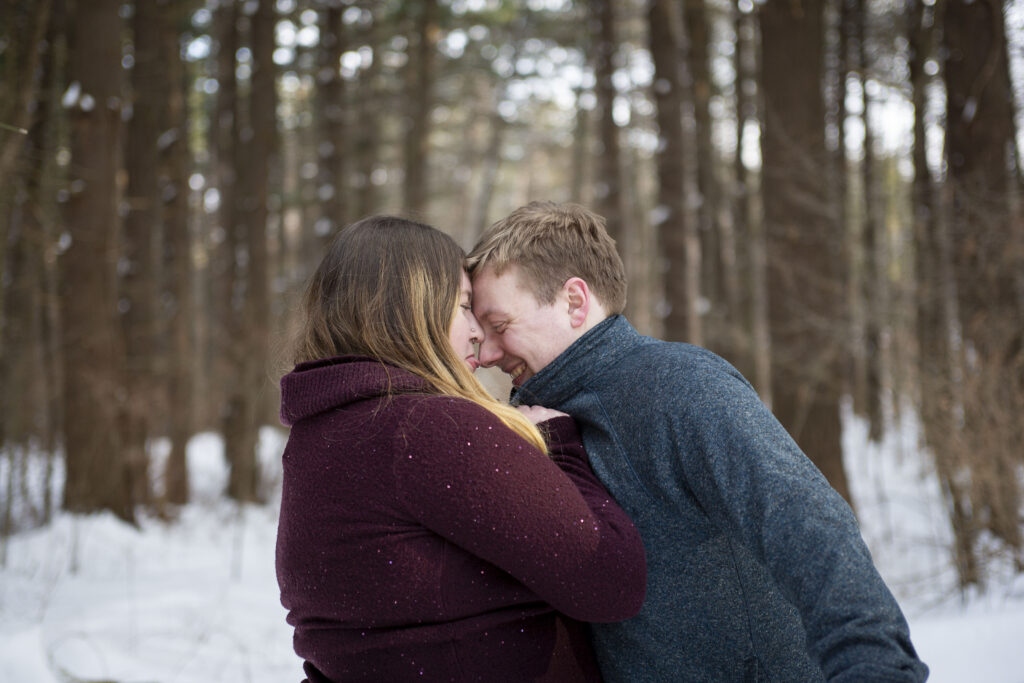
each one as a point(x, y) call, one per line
point(490, 351)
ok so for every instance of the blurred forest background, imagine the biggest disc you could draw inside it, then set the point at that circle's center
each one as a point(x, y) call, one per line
point(828, 193)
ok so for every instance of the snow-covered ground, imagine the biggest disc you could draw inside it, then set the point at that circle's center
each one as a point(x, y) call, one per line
point(973, 638)
point(196, 601)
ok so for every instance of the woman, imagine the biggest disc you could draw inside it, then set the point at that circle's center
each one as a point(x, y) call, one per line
point(428, 532)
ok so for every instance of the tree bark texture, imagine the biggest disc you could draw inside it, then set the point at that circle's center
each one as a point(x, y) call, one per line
point(235, 140)
point(97, 475)
point(610, 201)
point(872, 280)
point(140, 239)
point(579, 175)
point(24, 27)
point(491, 164)
point(712, 276)
point(332, 155)
point(177, 256)
point(422, 72)
point(747, 211)
point(933, 326)
point(806, 338)
point(219, 347)
point(248, 397)
point(366, 146)
point(988, 256)
point(677, 238)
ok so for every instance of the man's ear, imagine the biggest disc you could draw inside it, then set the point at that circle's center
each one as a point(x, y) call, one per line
point(578, 295)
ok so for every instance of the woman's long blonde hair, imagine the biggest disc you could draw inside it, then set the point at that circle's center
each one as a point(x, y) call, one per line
point(389, 288)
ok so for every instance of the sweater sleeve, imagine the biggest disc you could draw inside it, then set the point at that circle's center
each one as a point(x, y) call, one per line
point(546, 521)
point(755, 479)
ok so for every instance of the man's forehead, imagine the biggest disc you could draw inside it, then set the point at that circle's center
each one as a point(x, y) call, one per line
point(492, 270)
point(491, 291)
point(496, 281)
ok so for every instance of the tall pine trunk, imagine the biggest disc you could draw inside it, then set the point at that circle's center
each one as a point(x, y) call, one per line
point(934, 367)
point(712, 277)
point(366, 146)
point(579, 181)
point(677, 237)
point(219, 345)
point(422, 72)
point(97, 474)
point(177, 256)
point(250, 395)
point(987, 260)
point(333, 166)
point(610, 199)
point(748, 217)
point(237, 165)
point(804, 296)
point(141, 235)
point(872, 278)
point(23, 31)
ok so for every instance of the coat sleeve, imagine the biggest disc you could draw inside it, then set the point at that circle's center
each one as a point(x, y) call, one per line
point(752, 476)
point(546, 521)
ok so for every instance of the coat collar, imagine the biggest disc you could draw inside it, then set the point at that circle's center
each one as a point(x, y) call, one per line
point(560, 379)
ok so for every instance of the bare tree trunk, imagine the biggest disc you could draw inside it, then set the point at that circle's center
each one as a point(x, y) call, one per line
point(247, 399)
point(712, 283)
point(645, 285)
point(47, 140)
point(27, 357)
point(6, 518)
point(19, 84)
point(610, 201)
point(367, 138)
point(177, 257)
point(422, 74)
point(986, 259)
point(141, 237)
point(481, 205)
point(23, 402)
point(333, 166)
point(677, 237)
point(580, 148)
point(872, 295)
point(266, 153)
point(853, 358)
point(224, 323)
point(310, 249)
point(97, 476)
point(236, 141)
point(804, 296)
point(749, 223)
point(20, 306)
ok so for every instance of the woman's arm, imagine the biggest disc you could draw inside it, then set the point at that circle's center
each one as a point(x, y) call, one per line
point(547, 521)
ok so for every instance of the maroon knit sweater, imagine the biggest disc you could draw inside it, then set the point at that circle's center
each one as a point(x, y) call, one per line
point(421, 539)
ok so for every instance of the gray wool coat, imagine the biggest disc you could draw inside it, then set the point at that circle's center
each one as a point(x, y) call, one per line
point(756, 567)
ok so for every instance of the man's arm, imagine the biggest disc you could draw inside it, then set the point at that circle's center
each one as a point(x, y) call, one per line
point(547, 521)
point(753, 478)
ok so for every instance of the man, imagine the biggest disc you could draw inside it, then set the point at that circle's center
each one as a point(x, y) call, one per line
point(756, 567)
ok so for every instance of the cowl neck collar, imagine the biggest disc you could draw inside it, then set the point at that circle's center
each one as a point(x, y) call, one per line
point(331, 383)
point(599, 348)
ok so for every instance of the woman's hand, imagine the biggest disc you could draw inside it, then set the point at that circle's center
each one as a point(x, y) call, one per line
point(538, 414)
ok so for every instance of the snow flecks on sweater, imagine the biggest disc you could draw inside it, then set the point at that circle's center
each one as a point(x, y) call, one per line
point(419, 525)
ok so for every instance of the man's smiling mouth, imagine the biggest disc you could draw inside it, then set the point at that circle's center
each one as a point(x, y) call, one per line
point(517, 372)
